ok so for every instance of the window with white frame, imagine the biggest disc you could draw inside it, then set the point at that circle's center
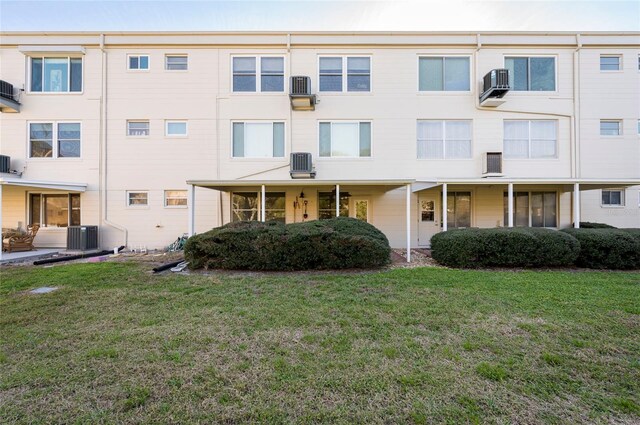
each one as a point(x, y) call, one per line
point(137, 128)
point(54, 210)
point(444, 139)
point(258, 140)
point(333, 77)
point(345, 139)
point(175, 128)
point(610, 62)
point(55, 74)
point(532, 73)
point(530, 139)
point(137, 199)
point(612, 197)
point(443, 73)
point(610, 127)
point(258, 74)
point(54, 140)
point(138, 62)
point(176, 62)
point(532, 209)
point(245, 206)
point(175, 198)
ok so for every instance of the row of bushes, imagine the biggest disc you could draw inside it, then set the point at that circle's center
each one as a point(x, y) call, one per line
point(599, 248)
point(338, 243)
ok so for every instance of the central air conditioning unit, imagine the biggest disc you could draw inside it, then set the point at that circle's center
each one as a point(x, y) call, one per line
point(82, 238)
point(302, 166)
point(494, 86)
point(300, 94)
point(492, 164)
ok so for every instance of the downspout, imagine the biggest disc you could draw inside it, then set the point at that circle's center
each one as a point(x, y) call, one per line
point(103, 147)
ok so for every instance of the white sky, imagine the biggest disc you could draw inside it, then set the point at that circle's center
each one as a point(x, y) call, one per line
point(426, 15)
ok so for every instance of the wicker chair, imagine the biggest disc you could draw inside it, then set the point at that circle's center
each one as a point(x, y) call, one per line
point(22, 242)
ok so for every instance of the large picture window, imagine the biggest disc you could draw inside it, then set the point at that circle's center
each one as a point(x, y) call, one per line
point(530, 139)
point(532, 209)
point(345, 139)
point(327, 205)
point(245, 206)
point(54, 140)
point(54, 210)
point(531, 73)
point(258, 139)
point(443, 74)
point(444, 139)
point(458, 209)
point(57, 74)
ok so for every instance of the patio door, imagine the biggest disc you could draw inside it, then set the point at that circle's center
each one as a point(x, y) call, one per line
point(361, 209)
point(428, 223)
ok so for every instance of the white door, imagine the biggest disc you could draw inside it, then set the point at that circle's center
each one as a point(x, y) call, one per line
point(428, 224)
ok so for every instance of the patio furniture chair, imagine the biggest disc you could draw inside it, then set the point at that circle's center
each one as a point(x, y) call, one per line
point(22, 242)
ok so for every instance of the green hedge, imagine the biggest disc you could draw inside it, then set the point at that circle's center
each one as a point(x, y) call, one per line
point(338, 243)
point(590, 225)
point(608, 248)
point(504, 247)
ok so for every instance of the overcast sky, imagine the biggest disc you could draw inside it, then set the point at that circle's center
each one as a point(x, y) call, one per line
point(357, 15)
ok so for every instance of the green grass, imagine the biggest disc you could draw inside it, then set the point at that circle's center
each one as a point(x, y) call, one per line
point(117, 344)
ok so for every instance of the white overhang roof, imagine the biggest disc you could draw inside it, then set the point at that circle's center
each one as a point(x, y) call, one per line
point(41, 184)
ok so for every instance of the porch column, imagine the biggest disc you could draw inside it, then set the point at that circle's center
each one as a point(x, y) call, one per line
point(576, 205)
point(510, 204)
point(408, 223)
point(263, 207)
point(1, 222)
point(192, 210)
point(337, 200)
point(444, 207)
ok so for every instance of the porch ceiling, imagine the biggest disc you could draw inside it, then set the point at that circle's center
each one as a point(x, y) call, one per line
point(230, 185)
point(40, 184)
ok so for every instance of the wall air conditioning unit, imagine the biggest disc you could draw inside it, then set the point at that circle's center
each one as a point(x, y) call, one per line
point(494, 86)
point(300, 94)
point(5, 164)
point(82, 238)
point(492, 164)
point(302, 166)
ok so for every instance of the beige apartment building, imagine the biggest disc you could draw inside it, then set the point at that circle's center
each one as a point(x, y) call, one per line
point(152, 135)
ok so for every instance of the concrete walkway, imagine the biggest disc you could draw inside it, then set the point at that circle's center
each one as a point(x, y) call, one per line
point(14, 257)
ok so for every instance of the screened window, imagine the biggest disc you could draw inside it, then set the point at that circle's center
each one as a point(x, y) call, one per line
point(444, 139)
point(443, 74)
point(610, 63)
point(327, 205)
point(613, 197)
point(271, 74)
point(258, 140)
point(137, 199)
point(245, 206)
point(60, 210)
point(56, 74)
point(610, 128)
point(270, 77)
point(176, 62)
point(138, 62)
point(67, 140)
point(531, 73)
point(532, 209)
point(176, 128)
point(530, 139)
point(345, 139)
point(357, 77)
point(137, 128)
point(175, 198)
point(459, 209)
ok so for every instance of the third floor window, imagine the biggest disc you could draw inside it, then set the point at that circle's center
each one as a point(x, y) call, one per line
point(57, 74)
point(443, 74)
point(532, 73)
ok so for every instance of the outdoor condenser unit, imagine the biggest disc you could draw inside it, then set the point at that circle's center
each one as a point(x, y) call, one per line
point(82, 238)
point(302, 166)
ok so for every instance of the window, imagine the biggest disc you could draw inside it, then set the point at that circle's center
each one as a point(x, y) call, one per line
point(532, 74)
point(137, 199)
point(258, 140)
point(60, 74)
point(613, 198)
point(610, 128)
point(356, 79)
point(176, 62)
point(610, 63)
point(530, 139)
point(345, 139)
point(443, 74)
point(327, 205)
point(459, 209)
point(67, 140)
point(444, 139)
point(138, 62)
point(137, 128)
point(541, 211)
point(175, 198)
point(176, 128)
point(245, 206)
point(269, 79)
point(59, 210)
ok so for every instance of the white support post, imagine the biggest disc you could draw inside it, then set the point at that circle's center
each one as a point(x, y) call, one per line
point(263, 207)
point(576, 205)
point(192, 210)
point(510, 203)
point(0, 222)
point(337, 200)
point(408, 223)
point(444, 207)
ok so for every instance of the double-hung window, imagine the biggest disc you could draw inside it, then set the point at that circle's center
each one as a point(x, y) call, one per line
point(258, 140)
point(175, 198)
point(54, 210)
point(444, 139)
point(176, 62)
point(531, 73)
point(532, 209)
point(530, 139)
point(613, 198)
point(333, 77)
point(138, 62)
point(610, 127)
point(245, 206)
point(450, 73)
point(345, 139)
point(258, 74)
point(56, 74)
point(610, 62)
point(54, 140)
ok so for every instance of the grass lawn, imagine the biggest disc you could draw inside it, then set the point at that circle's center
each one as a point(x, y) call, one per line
point(424, 345)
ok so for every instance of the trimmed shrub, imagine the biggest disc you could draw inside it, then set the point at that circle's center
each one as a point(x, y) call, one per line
point(589, 225)
point(504, 247)
point(608, 248)
point(338, 243)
